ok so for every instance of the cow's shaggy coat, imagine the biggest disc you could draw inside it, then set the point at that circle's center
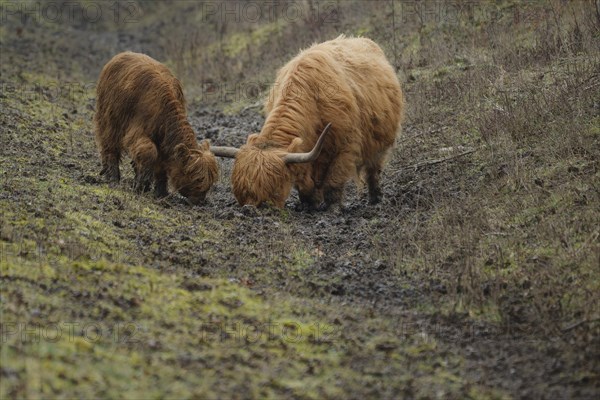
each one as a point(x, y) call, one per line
point(347, 82)
point(140, 110)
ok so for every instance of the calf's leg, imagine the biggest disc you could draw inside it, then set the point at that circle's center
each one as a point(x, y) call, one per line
point(144, 155)
point(110, 165)
point(110, 156)
point(160, 183)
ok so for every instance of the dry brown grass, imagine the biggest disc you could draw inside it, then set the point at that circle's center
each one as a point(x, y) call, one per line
point(512, 232)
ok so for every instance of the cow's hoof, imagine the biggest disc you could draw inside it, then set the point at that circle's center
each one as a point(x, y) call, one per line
point(302, 207)
point(374, 199)
point(250, 210)
point(324, 206)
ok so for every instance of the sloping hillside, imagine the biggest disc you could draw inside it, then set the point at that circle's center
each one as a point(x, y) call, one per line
point(477, 277)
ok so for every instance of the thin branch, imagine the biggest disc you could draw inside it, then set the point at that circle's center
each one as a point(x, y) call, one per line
point(496, 234)
point(591, 86)
point(579, 323)
point(251, 106)
point(437, 161)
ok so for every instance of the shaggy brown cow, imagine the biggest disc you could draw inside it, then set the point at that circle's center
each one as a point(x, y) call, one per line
point(346, 82)
point(140, 110)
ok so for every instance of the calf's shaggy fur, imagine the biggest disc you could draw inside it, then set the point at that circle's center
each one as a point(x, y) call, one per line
point(140, 111)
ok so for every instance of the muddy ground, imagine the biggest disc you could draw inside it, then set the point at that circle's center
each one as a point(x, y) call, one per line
point(214, 301)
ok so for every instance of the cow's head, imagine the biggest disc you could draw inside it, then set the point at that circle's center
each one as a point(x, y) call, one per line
point(195, 172)
point(261, 174)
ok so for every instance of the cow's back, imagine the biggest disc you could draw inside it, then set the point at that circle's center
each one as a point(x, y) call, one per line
point(375, 87)
point(357, 73)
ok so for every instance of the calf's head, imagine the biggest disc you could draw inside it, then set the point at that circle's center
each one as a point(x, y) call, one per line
point(261, 172)
point(195, 171)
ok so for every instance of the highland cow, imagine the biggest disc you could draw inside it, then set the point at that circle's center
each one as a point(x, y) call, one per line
point(345, 82)
point(141, 111)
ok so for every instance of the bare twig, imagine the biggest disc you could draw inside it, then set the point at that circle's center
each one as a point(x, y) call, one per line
point(496, 234)
point(437, 161)
point(579, 323)
point(591, 86)
point(251, 106)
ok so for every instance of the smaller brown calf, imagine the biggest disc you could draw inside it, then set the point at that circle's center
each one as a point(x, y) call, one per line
point(140, 111)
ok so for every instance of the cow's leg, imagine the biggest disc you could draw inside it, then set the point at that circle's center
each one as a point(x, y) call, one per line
point(315, 198)
point(332, 195)
point(306, 194)
point(340, 170)
point(310, 200)
point(373, 172)
point(306, 187)
point(373, 178)
point(144, 155)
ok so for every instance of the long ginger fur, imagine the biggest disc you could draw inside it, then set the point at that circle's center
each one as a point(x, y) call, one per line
point(141, 111)
point(347, 82)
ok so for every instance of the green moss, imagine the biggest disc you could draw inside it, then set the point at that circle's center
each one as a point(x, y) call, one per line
point(363, 31)
point(220, 320)
point(301, 259)
point(93, 233)
point(135, 321)
point(236, 107)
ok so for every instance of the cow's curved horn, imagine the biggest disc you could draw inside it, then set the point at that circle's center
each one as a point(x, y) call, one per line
point(223, 151)
point(294, 158)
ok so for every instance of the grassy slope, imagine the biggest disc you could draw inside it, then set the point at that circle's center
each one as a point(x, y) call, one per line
point(507, 236)
point(138, 321)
